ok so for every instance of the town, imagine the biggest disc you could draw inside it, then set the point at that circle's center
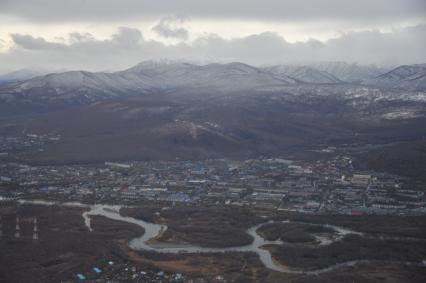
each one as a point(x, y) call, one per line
point(321, 186)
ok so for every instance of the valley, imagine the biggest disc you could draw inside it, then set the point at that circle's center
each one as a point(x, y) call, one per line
point(214, 173)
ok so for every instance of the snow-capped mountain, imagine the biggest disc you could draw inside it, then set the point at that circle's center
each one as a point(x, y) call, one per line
point(303, 74)
point(146, 77)
point(170, 109)
point(72, 87)
point(227, 77)
point(349, 72)
point(81, 87)
point(23, 74)
point(407, 77)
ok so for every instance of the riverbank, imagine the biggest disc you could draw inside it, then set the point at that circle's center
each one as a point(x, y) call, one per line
point(64, 246)
point(213, 227)
point(270, 256)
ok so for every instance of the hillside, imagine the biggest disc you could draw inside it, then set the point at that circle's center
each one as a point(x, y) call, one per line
point(408, 77)
point(353, 73)
point(304, 74)
point(179, 110)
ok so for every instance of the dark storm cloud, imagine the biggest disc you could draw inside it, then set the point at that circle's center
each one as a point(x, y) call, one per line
point(34, 43)
point(128, 47)
point(83, 51)
point(125, 38)
point(278, 10)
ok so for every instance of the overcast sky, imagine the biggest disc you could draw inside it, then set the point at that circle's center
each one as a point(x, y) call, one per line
point(112, 35)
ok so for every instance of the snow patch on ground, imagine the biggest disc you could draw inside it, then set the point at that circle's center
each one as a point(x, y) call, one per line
point(404, 114)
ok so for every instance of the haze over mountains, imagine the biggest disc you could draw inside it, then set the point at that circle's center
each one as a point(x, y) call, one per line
point(303, 74)
point(76, 87)
point(22, 74)
point(213, 141)
point(158, 110)
point(404, 77)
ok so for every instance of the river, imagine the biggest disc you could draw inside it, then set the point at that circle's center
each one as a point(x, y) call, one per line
point(153, 230)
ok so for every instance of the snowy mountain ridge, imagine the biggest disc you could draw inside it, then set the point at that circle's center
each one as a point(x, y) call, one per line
point(77, 87)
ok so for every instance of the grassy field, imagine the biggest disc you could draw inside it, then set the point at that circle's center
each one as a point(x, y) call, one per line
point(292, 232)
point(65, 246)
point(208, 227)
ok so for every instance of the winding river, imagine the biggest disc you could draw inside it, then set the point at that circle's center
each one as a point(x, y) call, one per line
point(153, 230)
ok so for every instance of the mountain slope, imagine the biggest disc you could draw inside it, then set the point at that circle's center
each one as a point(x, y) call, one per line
point(81, 87)
point(61, 90)
point(408, 77)
point(23, 74)
point(348, 72)
point(197, 125)
point(225, 77)
point(303, 74)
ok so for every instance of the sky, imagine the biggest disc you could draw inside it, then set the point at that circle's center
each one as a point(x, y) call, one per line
point(108, 35)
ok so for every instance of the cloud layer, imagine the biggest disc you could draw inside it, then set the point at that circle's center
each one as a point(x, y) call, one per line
point(55, 34)
point(281, 10)
point(171, 27)
point(128, 47)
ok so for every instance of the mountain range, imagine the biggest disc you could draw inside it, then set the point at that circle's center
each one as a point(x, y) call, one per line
point(353, 73)
point(81, 87)
point(411, 77)
point(24, 74)
point(158, 110)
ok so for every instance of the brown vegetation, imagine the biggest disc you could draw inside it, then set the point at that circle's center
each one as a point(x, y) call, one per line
point(392, 225)
point(352, 247)
point(65, 245)
point(291, 232)
point(210, 227)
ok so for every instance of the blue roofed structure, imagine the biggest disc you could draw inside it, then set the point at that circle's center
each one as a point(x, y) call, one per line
point(97, 270)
